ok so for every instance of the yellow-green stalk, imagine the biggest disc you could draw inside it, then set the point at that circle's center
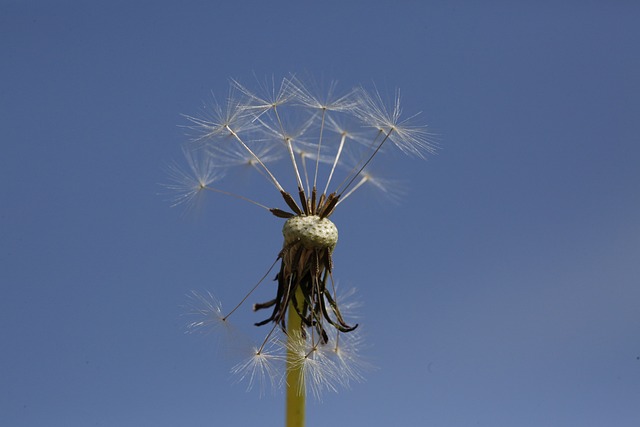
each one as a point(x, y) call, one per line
point(295, 379)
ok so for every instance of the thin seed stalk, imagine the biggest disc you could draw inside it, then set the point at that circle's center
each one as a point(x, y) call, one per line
point(295, 404)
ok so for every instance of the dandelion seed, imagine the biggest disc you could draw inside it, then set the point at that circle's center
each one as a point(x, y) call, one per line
point(345, 351)
point(261, 367)
point(391, 190)
point(208, 310)
point(270, 95)
point(320, 100)
point(187, 185)
point(409, 138)
point(221, 120)
point(318, 373)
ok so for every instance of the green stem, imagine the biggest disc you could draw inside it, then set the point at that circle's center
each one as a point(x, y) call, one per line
point(295, 378)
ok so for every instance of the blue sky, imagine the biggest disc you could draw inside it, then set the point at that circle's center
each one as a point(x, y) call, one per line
point(503, 289)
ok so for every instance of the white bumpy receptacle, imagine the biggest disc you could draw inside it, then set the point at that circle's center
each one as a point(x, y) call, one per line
point(311, 231)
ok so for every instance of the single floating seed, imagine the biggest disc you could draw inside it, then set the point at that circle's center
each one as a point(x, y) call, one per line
point(312, 231)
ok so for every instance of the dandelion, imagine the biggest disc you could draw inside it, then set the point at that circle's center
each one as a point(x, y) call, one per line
point(323, 144)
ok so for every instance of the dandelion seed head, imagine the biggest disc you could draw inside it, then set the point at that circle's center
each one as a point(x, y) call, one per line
point(315, 148)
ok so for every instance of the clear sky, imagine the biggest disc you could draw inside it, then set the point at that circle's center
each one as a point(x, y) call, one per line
point(502, 290)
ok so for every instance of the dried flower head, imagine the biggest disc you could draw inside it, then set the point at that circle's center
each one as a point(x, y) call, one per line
point(323, 142)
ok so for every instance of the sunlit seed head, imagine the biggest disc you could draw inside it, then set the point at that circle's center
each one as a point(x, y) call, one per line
point(315, 148)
